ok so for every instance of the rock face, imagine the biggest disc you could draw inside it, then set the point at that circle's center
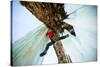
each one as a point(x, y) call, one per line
point(52, 15)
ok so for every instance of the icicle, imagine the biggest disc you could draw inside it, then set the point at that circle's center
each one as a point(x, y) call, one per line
point(82, 48)
point(26, 51)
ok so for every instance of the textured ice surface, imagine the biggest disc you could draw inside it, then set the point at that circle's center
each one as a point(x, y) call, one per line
point(27, 47)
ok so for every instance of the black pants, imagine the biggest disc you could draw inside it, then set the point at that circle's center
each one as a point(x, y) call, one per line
point(50, 43)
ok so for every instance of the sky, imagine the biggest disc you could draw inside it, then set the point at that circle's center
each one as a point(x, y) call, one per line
point(24, 21)
point(84, 21)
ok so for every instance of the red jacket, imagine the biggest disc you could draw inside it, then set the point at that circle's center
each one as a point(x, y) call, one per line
point(50, 34)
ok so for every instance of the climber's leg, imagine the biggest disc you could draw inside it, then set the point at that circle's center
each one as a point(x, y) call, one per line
point(69, 28)
point(46, 49)
point(50, 43)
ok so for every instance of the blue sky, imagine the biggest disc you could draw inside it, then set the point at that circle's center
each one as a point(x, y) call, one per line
point(23, 21)
point(84, 21)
